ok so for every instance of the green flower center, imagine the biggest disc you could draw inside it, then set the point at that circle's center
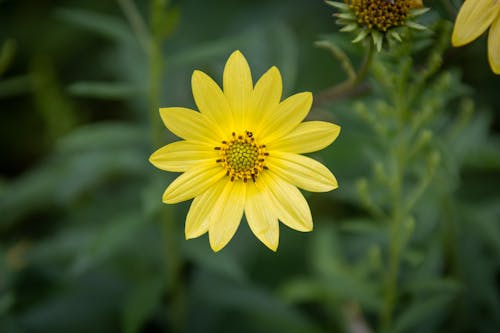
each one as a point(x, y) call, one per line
point(381, 14)
point(242, 157)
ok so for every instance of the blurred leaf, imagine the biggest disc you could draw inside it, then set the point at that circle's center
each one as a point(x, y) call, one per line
point(170, 21)
point(84, 304)
point(6, 55)
point(141, 302)
point(151, 196)
point(271, 314)
point(222, 263)
point(202, 52)
point(341, 281)
point(84, 158)
point(103, 136)
point(421, 311)
point(486, 154)
point(104, 90)
point(14, 86)
point(6, 302)
point(300, 290)
point(361, 226)
point(107, 241)
point(435, 286)
point(104, 25)
point(56, 108)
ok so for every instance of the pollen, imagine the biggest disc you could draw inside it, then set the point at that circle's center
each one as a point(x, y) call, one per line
point(381, 14)
point(241, 157)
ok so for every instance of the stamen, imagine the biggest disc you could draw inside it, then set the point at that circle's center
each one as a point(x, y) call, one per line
point(381, 14)
point(241, 157)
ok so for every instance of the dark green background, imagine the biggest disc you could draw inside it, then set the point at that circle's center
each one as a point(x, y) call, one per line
point(82, 248)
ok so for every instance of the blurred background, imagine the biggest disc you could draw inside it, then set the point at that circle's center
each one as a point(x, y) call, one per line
point(87, 246)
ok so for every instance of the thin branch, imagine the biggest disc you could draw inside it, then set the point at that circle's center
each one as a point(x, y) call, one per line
point(137, 23)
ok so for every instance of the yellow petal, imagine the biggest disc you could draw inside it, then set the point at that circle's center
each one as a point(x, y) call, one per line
point(193, 182)
point(190, 125)
point(211, 101)
point(286, 117)
point(200, 210)
point(287, 202)
point(302, 171)
point(474, 17)
point(307, 137)
point(265, 97)
point(226, 215)
point(238, 86)
point(181, 155)
point(260, 217)
point(494, 45)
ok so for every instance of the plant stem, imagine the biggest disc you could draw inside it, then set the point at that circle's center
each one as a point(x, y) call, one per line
point(391, 279)
point(136, 22)
point(175, 287)
point(349, 86)
point(397, 217)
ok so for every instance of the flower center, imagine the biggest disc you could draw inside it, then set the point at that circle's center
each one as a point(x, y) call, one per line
point(242, 157)
point(381, 14)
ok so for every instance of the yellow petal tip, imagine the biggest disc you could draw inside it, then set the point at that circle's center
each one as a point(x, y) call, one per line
point(168, 199)
point(216, 247)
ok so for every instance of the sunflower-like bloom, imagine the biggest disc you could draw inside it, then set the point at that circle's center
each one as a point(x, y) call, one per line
point(378, 20)
point(241, 154)
point(473, 19)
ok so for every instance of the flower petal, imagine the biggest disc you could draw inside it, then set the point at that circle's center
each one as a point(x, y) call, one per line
point(193, 182)
point(286, 117)
point(287, 202)
point(265, 97)
point(474, 17)
point(200, 210)
point(211, 101)
point(307, 137)
point(190, 125)
point(238, 86)
point(494, 45)
point(181, 155)
point(302, 171)
point(260, 217)
point(226, 215)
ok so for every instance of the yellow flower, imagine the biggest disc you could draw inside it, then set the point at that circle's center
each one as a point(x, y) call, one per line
point(378, 21)
point(240, 154)
point(473, 19)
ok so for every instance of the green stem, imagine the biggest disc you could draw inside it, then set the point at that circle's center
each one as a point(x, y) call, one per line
point(136, 22)
point(395, 241)
point(174, 264)
point(349, 86)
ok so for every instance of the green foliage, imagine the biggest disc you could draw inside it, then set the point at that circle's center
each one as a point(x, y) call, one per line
point(410, 242)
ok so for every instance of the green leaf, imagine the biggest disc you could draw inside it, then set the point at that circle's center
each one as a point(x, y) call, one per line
point(435, 286)
point(104, 90)
point(421, 311)
point(7, 55)
point(104, 25)
point(141, 302)
point(16, 85)
point(271, 313)
point(103, 136)
point(107, 241)
point(222, 263)
point(300, 290)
